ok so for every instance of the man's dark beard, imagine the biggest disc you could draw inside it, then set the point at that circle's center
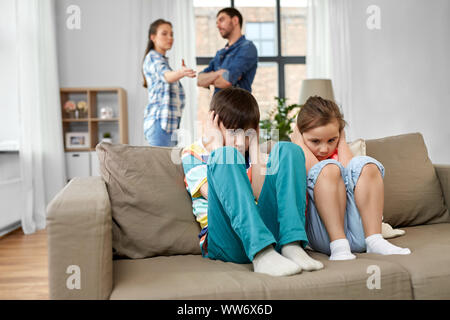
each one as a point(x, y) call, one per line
point(226, 35)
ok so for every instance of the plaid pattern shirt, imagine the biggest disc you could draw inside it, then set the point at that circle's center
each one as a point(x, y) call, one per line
point(165, 100)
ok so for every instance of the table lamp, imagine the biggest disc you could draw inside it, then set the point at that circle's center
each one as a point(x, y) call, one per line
point(316, 87)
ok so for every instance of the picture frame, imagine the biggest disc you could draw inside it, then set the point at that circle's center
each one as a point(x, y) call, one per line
point(77, 140)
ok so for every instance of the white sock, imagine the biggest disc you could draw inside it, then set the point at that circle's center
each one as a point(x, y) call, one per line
point(271, 262)
point(293, 251)
point(376, 244)
point(340, 250)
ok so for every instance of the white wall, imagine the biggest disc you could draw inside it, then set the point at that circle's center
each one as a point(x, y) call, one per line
point(109, 47)
point(401, 73)
point(99, 54)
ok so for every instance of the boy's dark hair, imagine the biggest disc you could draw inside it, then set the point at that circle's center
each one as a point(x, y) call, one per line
point(232, 12)
point(317, 112)
point(237, 108)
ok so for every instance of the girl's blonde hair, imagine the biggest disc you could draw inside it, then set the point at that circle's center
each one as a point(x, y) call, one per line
point(317, 112)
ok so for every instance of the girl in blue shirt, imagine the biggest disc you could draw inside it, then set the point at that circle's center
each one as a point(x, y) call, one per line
point(165, 92)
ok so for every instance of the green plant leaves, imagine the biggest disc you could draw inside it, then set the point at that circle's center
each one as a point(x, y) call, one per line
point(282, 116)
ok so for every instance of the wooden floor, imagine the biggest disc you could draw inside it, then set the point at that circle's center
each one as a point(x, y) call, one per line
point(23, 266)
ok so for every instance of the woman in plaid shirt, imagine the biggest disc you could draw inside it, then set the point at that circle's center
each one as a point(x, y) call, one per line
point(165, 92)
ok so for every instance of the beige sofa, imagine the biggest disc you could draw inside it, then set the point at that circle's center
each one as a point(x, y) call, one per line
point(130, 234)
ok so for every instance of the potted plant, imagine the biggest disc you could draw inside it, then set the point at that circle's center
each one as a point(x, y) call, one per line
point(280, 118)
point(107, 137)
point(70, 107)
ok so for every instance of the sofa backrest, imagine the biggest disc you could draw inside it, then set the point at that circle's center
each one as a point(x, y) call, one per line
point(413, 194)
point(152, 211)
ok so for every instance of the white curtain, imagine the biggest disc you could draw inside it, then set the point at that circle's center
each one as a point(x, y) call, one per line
point(328, 50)
point(318, 44)
point(181, 14)
point(41, 145)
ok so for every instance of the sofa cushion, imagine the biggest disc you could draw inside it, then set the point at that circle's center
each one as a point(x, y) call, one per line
point(429, 261)
point(358, 147)
point(151, 209)
point(413, 195)
point(194, 277)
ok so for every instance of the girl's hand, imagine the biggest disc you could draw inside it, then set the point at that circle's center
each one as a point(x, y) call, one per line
point(297, 137)
point(342, 138)
point(310, 158)
point(212, 135)
point(185, 71)
point(345, 154)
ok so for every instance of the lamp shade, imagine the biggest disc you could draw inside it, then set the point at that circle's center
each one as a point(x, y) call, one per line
point(316, 87)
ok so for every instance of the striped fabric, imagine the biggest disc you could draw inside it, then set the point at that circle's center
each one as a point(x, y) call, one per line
point(194, 159)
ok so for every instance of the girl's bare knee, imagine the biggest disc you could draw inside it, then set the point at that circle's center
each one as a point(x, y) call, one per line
point(330, 172)
point(371, 170)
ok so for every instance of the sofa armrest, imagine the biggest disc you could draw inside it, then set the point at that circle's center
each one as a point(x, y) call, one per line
point(80, 241)
point(443, 173)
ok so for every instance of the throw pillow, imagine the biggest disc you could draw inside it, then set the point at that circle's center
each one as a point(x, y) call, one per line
point(151, 209)
point(358, 147)
point(412, 191)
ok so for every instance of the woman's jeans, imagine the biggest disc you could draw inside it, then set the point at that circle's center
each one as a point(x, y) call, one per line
point(353, 228)
point(157, 136)
point(238, 228)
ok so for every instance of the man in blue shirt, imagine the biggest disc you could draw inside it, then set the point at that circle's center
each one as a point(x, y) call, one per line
point(234, 65)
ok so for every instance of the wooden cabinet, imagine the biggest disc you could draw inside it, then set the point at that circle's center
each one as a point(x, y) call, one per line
point(84, 130)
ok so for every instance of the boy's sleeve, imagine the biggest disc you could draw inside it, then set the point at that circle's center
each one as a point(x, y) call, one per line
point(195, 172)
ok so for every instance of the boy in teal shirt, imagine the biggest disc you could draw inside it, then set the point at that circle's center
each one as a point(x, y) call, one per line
point(249, 211)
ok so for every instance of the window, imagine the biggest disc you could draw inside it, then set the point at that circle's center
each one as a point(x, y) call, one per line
point(263, 36)
point(278, 30)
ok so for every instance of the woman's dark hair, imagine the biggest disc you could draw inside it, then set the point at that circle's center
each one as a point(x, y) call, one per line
point(317, 112)
point(237, 108)
point(232, 12)
point(150, 45)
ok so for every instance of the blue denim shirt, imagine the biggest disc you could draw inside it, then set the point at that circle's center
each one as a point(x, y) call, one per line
point(240, 60)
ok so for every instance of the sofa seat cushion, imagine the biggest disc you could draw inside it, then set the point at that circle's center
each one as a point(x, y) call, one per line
point(429, 261)
point(194, 277)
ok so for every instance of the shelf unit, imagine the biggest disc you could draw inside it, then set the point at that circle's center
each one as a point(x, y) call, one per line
point(91, 123)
